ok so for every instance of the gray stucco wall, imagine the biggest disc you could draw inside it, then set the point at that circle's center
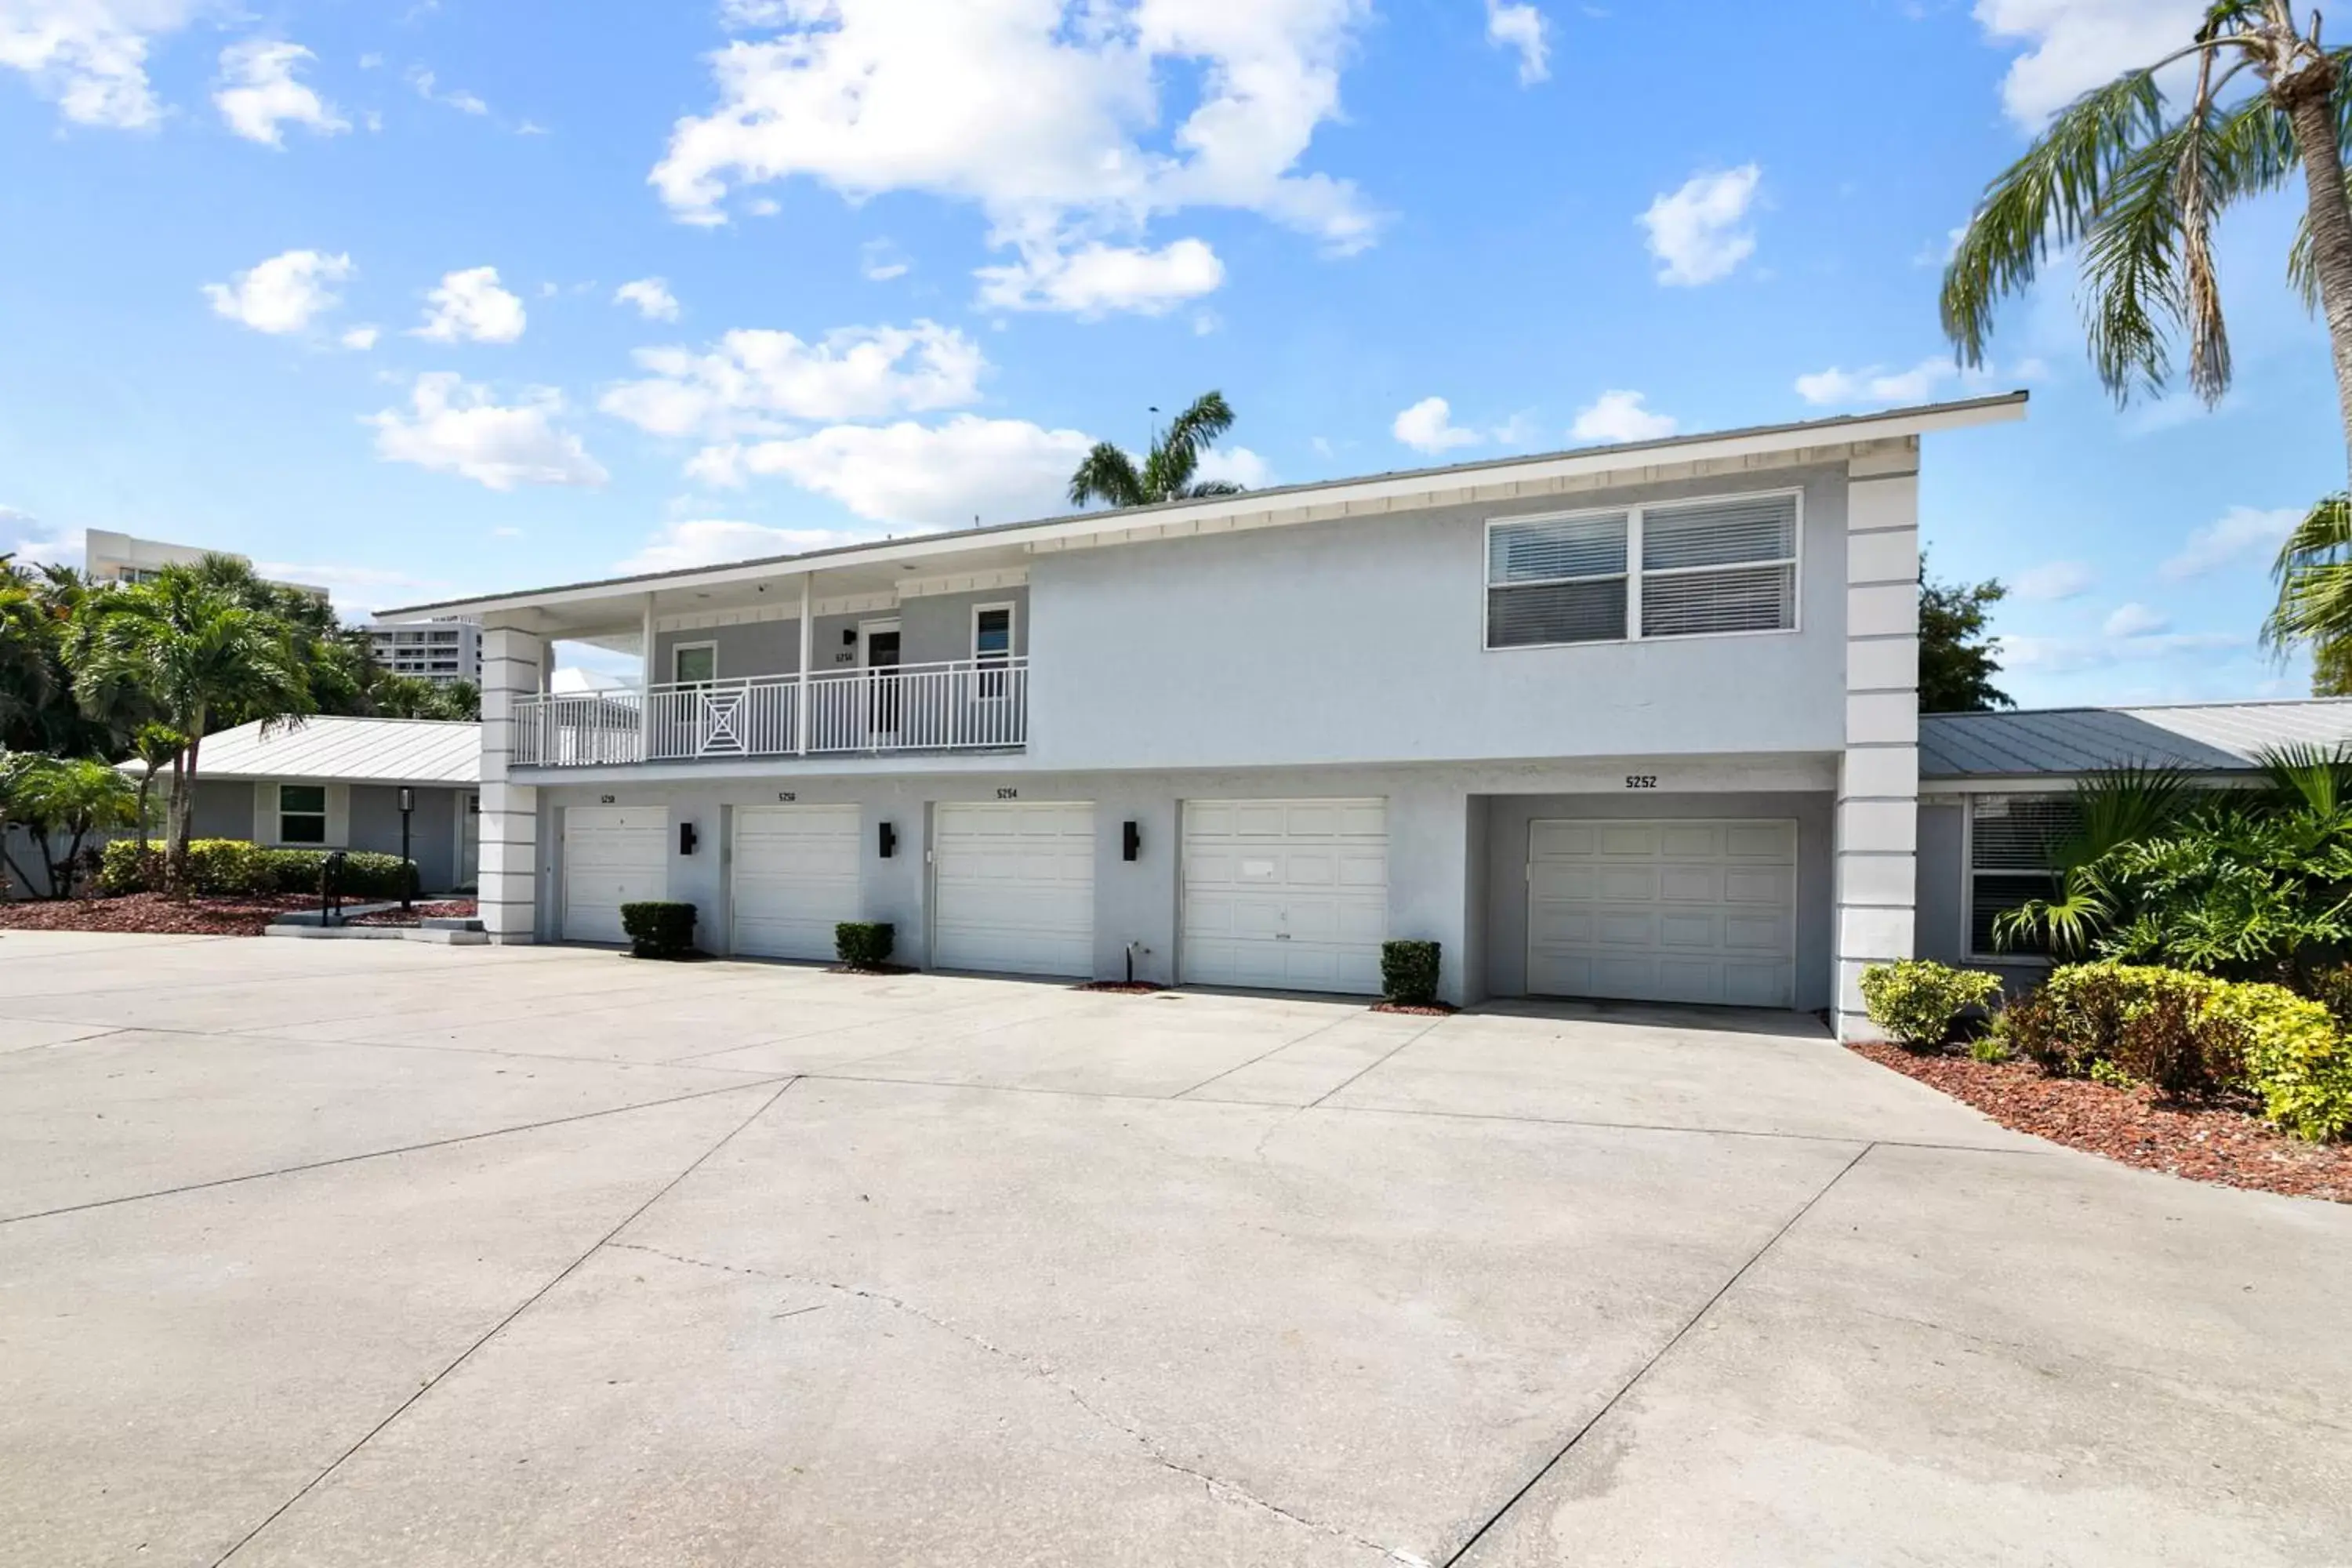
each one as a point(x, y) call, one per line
point(1456, 842)
point(933, 628)
point(1506, 842)
point(1362, 640)
point(224, 810)
point(1942, 876)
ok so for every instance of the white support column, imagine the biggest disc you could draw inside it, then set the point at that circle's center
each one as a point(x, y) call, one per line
point(646, 687)
point(1878, 830)
point(808, 652)
point(514, 666)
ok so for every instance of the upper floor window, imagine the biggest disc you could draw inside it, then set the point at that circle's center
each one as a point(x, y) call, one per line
point(1688, 568)
point(694, 663)
point(991, 644)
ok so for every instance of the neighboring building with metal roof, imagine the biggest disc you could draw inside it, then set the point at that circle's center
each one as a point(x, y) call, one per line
point(1996, 793)
point(1955, 748)
point(339, 783)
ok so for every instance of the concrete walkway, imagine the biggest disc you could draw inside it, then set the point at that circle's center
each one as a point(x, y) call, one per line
point(366, 1254)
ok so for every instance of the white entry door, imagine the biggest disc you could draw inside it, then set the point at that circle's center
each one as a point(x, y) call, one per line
point(795, 877)
point(1288, 894)
point(1014, 887)
point(613, 855)
point(1663, 911)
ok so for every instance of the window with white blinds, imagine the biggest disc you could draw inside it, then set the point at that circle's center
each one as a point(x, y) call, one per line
point(1690, 569)
point(2013, 840)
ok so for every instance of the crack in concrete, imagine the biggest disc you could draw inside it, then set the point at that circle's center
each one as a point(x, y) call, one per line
point(1216, 1486)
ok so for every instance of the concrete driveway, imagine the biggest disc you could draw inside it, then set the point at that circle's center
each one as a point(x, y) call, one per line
point(369, 1253)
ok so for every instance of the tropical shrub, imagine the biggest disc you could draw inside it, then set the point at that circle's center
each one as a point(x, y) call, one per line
point(1409, 972)
point(365, 875)
point(216, 867)
point(865, 944)
point(1917, 1001)
point(659, 928)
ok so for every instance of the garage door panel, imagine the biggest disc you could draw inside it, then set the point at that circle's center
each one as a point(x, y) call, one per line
point(1014, 887)
point(1667, 910)
point(612, 856)
point(796, 876)
point(1285, 894)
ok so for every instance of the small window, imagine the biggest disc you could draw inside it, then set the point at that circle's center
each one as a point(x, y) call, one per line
point(1557, 580)
point(991, 644)
point(2012, 841)
point(1725, 566)
point(301, 814)
point(694, 663)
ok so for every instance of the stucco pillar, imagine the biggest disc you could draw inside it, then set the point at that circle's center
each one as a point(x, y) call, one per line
point(1877, 828)
point(513, 667)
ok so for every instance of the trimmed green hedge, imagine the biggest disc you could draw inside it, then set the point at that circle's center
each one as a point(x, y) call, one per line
point(865, 944)
point(1409, 973)
point(2286, 1050)
point(659, 928)
point(231, 868)
point(1918, 1000)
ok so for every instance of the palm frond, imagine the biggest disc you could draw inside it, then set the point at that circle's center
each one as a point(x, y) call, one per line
point(1207, 487)
point(2317, 779)
point(1107, 475)
point(2047, 199)
point(2313, 573)
point(2116, 807)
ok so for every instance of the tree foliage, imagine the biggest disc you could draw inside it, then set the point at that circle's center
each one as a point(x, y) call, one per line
point(1958, 655)
point(1110, 476)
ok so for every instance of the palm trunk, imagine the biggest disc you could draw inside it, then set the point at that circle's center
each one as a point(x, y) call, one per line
point(184, 808)
point(2309, 100)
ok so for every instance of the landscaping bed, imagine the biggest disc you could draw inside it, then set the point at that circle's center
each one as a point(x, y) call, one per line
point(229, 915)
point(2223, 1143)
point(442, 910)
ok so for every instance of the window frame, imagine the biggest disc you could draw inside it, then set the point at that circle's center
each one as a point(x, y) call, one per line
point(1970, 872)
point(992, 673)
point(1634, 572)
point(324, 815)
point(677, 649)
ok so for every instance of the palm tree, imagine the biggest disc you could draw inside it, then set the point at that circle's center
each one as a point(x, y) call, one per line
point(1109, 475)
point(156, 746)
point(74, 797)
point(2138, 190)
point(197, 655)
point(2313, 573)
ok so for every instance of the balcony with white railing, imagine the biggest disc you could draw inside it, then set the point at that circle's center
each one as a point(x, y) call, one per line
point(964, 706)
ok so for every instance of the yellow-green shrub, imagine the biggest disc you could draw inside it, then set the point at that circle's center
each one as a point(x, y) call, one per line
point(1918, 1000)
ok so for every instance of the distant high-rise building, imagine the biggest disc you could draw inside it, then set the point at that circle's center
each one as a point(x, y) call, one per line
point(443, 652)
point(109, 557)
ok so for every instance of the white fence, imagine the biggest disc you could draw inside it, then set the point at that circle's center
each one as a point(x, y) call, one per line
point(966, 705)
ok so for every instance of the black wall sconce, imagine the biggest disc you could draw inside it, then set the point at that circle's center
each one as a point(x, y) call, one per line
point(849, 637)
point(1130, 841)
point(889, 845)
point(685, 838)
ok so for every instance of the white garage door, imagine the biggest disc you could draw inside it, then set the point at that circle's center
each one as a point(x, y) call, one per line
point(1290, 894)
point(1014, 887)
point(612, 856)
point(795, 878)
point(1663, 911)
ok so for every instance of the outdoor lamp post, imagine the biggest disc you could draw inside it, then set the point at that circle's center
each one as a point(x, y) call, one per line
point(408, 866)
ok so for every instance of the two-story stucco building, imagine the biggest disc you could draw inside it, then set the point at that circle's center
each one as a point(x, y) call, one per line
point(1637, 721)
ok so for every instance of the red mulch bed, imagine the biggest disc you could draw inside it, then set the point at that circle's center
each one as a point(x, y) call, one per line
point(2221, 1143)
point(153, 913)
point(868, 969)
point(445, 910)
point(1122, 987)
point(1417, 1009)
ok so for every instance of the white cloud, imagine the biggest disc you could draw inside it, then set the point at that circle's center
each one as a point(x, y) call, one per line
point(2053, 581)
point(90, 56)
point(1918, 384)
point(258, 93)
point(1428, 427)
point(1697, 232)
point(455, 428)
point(752, 378)
point(2076, 45)
point(1236, 465)
point(933, 475)
point(707, 542)
point(1520, 28)
point(1096, 279)
point(426, 86)
point(2136, 620)
point(1621, 416)
point(1045, 113)
point(880, 261)
point(652, 298)
point(282, 294)
point(469, 306)
point(361, 590)
point(361, 338)
point(2068, 655)
point(2240, 532)
point(21, 536)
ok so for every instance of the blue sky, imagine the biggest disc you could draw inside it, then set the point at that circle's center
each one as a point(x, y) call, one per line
point(417, 299)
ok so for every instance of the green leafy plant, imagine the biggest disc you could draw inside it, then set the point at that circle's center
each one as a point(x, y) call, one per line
point(1918, 1000)
point(865, 944)
point(1409, 972)
point(1991, 1048)
point(2173, 1038)
point(2109, 1073)
point(1108, 474)
point(659, 928)
point(216, 867)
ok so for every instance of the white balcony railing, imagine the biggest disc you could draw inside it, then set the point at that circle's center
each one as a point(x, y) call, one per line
point(963, 706)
